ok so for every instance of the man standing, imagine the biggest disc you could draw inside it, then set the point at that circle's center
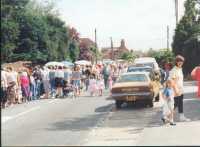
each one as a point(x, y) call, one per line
point(106, 74)
point(176, 74)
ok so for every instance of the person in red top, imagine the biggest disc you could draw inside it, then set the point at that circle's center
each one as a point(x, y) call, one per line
point(196, 76)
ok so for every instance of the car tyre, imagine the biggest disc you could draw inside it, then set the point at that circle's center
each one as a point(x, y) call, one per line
point(157, 98)
point(150, 103)
point(118, 104)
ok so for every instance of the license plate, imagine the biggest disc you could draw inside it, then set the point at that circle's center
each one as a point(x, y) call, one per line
point(131, 98)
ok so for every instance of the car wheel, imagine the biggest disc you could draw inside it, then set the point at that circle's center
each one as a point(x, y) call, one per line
point(150, 103)
point(157, 98)
point(118, 104)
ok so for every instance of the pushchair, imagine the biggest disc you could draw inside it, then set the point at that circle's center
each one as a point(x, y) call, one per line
point(68, 90)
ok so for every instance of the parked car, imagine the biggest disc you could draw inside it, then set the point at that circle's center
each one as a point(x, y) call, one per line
point(147, 61)
point(134, 86)
point(139, 68)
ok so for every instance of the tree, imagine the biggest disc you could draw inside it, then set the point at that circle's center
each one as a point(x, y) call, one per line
point(10, 11)
point(128, 56)
point(185, 40)
point(87, 49)
point(32, 31)
point(74, 49)
point(162, 56)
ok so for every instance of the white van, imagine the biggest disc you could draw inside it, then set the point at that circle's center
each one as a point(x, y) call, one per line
point(147, 61)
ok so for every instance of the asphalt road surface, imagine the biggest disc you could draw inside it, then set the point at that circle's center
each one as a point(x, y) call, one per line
point(52, 121)
point(91, 121)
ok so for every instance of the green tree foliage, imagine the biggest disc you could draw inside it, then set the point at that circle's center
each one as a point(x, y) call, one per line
point(10, 9)
point(35, 32)
point(186, 40)
point(128, 56)
point(162, 56)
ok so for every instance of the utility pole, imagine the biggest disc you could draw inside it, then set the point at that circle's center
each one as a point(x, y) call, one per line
point(112, 48)
point(167, 37)
point(96, 44)
point(176, 11)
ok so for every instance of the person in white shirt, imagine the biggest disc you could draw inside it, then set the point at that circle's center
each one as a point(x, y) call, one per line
point(45, 80)
point(176, 74)
point(4, 86)
point(11, 82)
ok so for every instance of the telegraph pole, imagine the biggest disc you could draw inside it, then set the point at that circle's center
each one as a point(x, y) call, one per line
point(176, 11)
point(96, 44)
point(112, 48)
point(168, 37)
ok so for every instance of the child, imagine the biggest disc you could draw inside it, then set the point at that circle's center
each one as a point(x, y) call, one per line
point(168, 107)
point(92, 85)
point(110, 83)
point(67, 88)
point(100, 85)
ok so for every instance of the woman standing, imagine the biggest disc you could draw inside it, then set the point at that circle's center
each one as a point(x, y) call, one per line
point(11, 90)
point(59, 76)
point(25, 85)
point(76, 78)
point(176, 74)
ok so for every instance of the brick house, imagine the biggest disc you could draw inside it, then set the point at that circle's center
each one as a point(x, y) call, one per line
point(117, 51)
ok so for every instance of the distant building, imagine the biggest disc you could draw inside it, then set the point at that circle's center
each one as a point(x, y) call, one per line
point(117, 51)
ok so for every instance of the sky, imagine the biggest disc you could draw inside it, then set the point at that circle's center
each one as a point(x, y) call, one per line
point(142, 23)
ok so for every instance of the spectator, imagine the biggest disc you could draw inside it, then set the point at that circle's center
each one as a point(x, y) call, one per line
point(45, 80)
point(11, 90)
point(106, 74)
point(176, 74)
point(76, 78)
point(4, 86)
point(19, 89)
point(33, 87)
point(87, 73)
point(25, 86)
point(66, 74)
point(168, 107)
point(93, 85)
point(38, 80)
point(196, 76)
point(59, 76)
point(52, 81)
point(100, 85)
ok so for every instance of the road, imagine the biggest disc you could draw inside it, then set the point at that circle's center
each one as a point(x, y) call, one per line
point(52, 122)
point(95, 121)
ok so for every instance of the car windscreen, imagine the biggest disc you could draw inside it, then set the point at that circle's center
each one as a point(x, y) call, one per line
point(132, 69)
point(146, 64)
point(132, 78)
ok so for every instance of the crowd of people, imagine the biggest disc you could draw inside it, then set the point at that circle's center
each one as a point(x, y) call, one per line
point(41, 82)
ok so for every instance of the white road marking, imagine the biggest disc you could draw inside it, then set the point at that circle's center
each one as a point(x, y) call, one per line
point(6, 118)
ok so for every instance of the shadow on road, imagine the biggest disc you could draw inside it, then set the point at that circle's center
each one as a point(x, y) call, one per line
point(135, 116)
point(75, 124)
point(104, 108)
